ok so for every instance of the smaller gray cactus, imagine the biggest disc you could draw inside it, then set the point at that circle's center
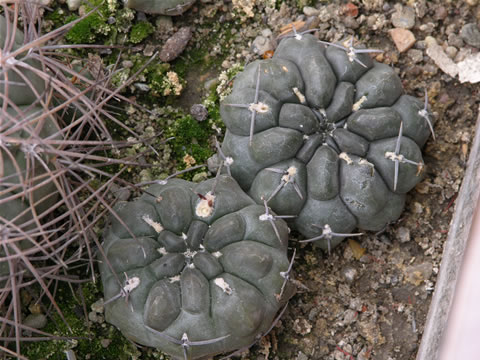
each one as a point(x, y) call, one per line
point(195, 269)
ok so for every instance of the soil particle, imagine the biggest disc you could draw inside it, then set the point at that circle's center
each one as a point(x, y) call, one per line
point(263, 43)
point(403, 234)
point(404, 17)
point(36, 321)
point(471, 34)
point(199, 112)
point(403, 39)
point(415, 55)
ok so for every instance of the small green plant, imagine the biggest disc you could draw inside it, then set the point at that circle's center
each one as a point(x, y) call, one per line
point(98, 27)
point(191, 138)
point(140, 31)
point(85, 31)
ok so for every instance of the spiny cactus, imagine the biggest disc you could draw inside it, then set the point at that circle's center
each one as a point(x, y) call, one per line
point(323, 132)
point(194, 269)
point(164, 7)
point(52, 145)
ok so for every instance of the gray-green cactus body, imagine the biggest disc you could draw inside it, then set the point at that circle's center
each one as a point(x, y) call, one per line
point(164, 7)
point(324, 136)
point(212, 267)
point(26, 189)
point(24, 86)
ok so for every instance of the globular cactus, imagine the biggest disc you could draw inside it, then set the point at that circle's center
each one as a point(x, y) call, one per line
point(323, 132)
point(27, 191)
point(52, 134)
point(194, 269)
point(19, 83)
point(164, 7)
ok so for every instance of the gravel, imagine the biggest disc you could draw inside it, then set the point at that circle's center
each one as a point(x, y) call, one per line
point(471, 34)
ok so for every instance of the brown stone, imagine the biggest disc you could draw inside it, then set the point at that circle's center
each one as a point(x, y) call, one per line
point(175, 45)
point(403, 39)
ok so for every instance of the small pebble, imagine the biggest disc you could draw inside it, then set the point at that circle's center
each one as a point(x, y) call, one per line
point(349, 316)
point(92, 316)
point(73, 5)
point(105, 343)
point(35, 309)
point(176, 44)
point(427, 28)
point(127, 64)
point(462, 54)
point(98, 306)
point(451, 29)
point(472, 2)
point(404, 18)
point(415, 55)
point(471, 34)
point(416, 274)
point(440, 13)
point(403, 234)
point(36, 321)
point(301, 356)
point(261, 45)
point(350, 10)
point(455, 40)
point(142, 87)
point(350, 274)
point(403, 39)
point(199, 112)
point(451, 51)
point(213, 163)
point(311, 11)
point(302, 326)
point(149, 49)
point(350, 22)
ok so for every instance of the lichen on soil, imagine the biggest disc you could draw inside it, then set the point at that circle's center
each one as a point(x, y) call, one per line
point(369, 298)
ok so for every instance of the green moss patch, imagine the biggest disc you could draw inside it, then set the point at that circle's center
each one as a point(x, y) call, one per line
point(140, 31)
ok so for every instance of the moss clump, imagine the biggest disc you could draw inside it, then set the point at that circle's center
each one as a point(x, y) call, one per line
point(84, 32)
point(157, 79)
point(190, 146)
point(140, 31)
point(101, 26)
